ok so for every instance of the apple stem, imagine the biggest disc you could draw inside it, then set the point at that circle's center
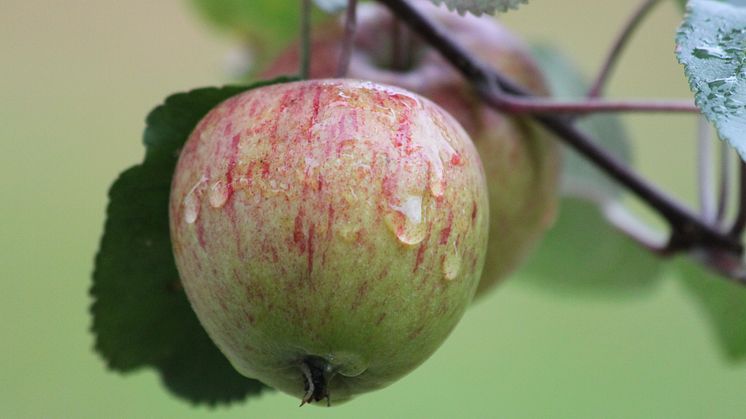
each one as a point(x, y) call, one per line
point(398, 42)
point(689, 232)
point(316, 375)
point(349, 38)
point(305, 36)
point(640, 13)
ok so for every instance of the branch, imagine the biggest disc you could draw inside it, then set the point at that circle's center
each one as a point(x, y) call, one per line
point(688, 231)
point(740, 223)
point(707, 200)
point(349, 38)
point(536, 106)
point(618, 47)
point(724, 182)
point(305, 36)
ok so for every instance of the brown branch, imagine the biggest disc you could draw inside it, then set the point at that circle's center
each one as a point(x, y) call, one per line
point(535, 105)
point(724, 190)
point(305, 36)
point(740, 223)
point(688, 230)
point(618, 47)
point(349, 38)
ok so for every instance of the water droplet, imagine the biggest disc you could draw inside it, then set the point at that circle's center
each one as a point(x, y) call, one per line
point(348, 231)
point(451, 265)
point(710, 52)
point(218, 195)
point(406, 221)
point(191, 201)
point(722, 83)
point(412, 209)
point(347, 363)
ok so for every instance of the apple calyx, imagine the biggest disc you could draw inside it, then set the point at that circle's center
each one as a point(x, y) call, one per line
point(317, 373)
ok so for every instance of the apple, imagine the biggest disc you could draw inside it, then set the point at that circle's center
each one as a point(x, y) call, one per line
point(521, 160)
point(329, 234)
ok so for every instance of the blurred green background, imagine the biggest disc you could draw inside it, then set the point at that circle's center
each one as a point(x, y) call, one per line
point(76, 81)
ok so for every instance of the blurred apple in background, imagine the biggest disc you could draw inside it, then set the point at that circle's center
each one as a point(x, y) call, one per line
point(522, 162)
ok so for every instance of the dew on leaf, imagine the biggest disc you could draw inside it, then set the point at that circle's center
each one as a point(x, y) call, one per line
point(710, 52)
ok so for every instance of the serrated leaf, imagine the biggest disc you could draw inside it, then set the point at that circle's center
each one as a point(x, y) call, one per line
point(711, 44)
point(584, 254)
point(479, 7)
point(141, 316)
point(723, 302)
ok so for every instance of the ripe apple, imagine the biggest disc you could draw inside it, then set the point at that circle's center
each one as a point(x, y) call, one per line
point(521, 160)
point(329, 234)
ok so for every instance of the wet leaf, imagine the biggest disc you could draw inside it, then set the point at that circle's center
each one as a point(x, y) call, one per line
point(711, 44)
point(479, 7)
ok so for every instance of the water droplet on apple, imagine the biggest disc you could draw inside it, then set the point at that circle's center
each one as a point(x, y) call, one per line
point(219, 193)
point(348, 231)
point(191, 201)
point(406, 221)
point(191, 209)
point(347, 363)
point(451, 265)
point(412, 209)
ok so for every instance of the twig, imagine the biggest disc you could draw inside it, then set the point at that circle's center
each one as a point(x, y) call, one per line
point(349, 38)
point(535, 105)
point(725, 179)
point(705, 171)
point(618, 47)
point(740, 223)
point(400, 45)
point(305, 36)
point(688, 231)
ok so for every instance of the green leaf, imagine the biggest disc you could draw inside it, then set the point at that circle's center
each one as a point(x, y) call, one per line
point(681, 3)
point(584, 253)
point(479, 7)
point(711, 44)
point(268, 25)
point(141, 316)
point(723, 302)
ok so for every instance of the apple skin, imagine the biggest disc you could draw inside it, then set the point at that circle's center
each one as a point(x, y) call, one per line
point(333, 220)
point(521, 160)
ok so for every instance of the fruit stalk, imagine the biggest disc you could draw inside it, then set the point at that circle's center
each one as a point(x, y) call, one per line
point(350, 24)
point(616, 50)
